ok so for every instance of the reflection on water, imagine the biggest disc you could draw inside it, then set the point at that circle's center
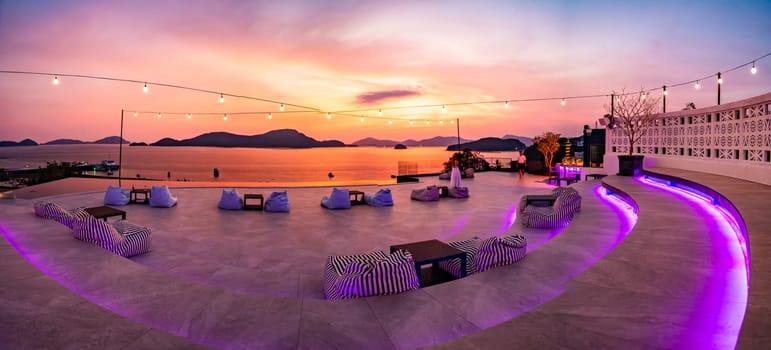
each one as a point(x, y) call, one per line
point(239, 164)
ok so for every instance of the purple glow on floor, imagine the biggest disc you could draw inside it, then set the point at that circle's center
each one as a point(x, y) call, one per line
point(458, 227)
point(719, 310)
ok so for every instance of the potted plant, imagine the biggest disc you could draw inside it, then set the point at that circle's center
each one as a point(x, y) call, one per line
point(633, 115)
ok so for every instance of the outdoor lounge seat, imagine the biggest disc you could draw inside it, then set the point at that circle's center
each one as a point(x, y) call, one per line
point(382, 198)
point(231, 200)
point(161, 197)
point(428, 194)
point(558, 215)
point(53, 211)
point(339, 199)
point(116, 196)
point(365, 275)
point(122, 238)
point(484, 254)
point(277, 202)
point(556, 192)
point(457, 192)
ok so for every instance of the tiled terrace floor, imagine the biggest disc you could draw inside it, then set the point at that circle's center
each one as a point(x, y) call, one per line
point(253, 279)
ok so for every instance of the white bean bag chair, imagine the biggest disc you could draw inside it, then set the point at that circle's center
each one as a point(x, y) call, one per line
point(116, 196)
point(428, 194)
point(339, 199)
point(380, 199)
point(161, 197)
point(231, 200)
point(277, 202)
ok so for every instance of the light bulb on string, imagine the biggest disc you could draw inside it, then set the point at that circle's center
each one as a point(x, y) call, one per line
point(225, 118)
point(135, 114)
point(56, 80)
point(643, 96)
point(270, 115)
point(428, 122)
point(618, 98)
point(159, 115)
point(563, 102)
point(222, 98)
point(361, 119)
point(441, 122)
point(719, 78)
point(698, 85)
point(145, 89)
point(379, 112)
point(411, 122)
point(753, 70)
point(329, 115)
point(506, 104)
point(452, 121)
point(189, 116)
point(444, 109)
point(390, 122)
point(281, 107)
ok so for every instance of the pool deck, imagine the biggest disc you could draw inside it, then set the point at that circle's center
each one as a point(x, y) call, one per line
point(253, 280)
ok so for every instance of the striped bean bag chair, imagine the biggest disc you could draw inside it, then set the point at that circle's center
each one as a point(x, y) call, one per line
point(550, 217)
point(372, 274)
point(122, 238)
point(470, 246)
point(53, 211)
point(500, 251)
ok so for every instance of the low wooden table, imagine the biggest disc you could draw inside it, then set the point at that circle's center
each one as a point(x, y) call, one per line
point(432, 252)
point(105, 212)
point(594, 176)
point(540, 200)
point(253, 196)
point(444, 191)
point(135, 197)
point(568, 180)
point(357, 197)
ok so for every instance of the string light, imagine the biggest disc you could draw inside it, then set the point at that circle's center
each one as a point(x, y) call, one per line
point(753, 70)
point(145, 89)
point(56, 80)
point(698, 85)
point(135, 114)
point(441, 122)
point(444, 109)
point(222, 98)
point(506, 104)
point(361, 119)
point(270, 115)
point(189, 116)
point(225, 118)
point(643, 96)
point(329, 115)
point(719, 79)
point(379, 112)
point(281, 107)
point(618, 98)
point(452, 121)
point(563, 102)
point(159, 115)
point(411, 122)
point(390, 122)
point(665, 90)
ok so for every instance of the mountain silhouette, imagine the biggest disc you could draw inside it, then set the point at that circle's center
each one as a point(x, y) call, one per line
point(282, 138)
point(490, 144)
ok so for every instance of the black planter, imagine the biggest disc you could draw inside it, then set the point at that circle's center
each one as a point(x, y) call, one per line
point(630, 165)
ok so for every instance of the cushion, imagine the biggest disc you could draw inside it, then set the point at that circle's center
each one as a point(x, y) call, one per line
point(453, 266)
point(161, 197)
point(230, 200)
point(116, 196)
point(380, 199)
point(277, 202)
point(53, 211)
point(339, 199)
point(97, 231)
point(499, 251)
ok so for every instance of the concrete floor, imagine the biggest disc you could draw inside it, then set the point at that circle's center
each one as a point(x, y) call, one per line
point(253, 279)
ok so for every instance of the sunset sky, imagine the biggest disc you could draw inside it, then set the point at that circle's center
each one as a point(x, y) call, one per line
point(363, 55)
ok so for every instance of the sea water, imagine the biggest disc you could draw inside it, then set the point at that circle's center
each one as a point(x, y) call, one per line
point(240, 164)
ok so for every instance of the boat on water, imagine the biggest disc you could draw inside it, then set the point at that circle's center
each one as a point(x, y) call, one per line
point(107, 166)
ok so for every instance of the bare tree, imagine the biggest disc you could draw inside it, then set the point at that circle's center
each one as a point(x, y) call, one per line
point(689, 105)
point(634, 113)
point(548, 144)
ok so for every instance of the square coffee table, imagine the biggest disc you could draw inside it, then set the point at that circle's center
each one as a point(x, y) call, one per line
point(432, 252)
point(140, 196)
point(105, 212)
point(253, 197)
point(357, 197)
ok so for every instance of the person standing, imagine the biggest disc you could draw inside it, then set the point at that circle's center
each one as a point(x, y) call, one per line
point(455, 175)
point(521, 164)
